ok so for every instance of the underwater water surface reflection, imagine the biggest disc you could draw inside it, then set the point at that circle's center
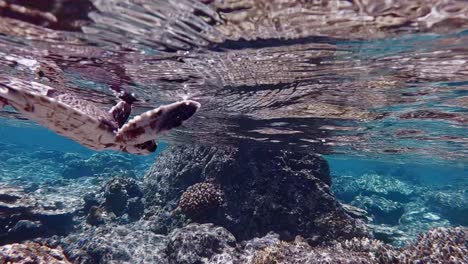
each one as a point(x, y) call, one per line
point(360, 102)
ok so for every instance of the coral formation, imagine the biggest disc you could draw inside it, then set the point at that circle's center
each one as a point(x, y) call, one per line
point(115, 244)
point(451, 203)
point(348, 187)
point(120, 196)
point(25, 216)
point(399, 209)
point(117, 193)
point(439, 245)
point(115, 232)
point(96, 216)
point(383, 210)
point(199, 199)
point(264, 190)
point(208, 243)
point(30, 252)
point(196, 242)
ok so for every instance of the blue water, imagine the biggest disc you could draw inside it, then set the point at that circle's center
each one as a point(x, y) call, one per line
point(414, 169)
point(352, 177)
point(40, 155)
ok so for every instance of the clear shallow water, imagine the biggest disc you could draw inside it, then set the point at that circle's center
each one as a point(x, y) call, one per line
point(377, 88)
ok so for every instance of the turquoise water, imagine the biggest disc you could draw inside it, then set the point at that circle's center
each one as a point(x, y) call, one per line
point(33, 158)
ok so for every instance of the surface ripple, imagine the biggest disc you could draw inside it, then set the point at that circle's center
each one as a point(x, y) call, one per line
point(360, 77)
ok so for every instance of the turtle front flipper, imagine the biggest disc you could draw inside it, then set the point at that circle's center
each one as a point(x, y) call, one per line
point(148, 125)
point(120, 112)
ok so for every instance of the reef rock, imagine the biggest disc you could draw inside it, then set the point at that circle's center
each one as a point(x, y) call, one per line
point(453, 204)
point(120, 196)
point(348, 187)
point(25, 216)
point(382, 210)
point(401, 210)
point(134, 243)
point(263, 190)
point(439, 245)
point(31, 252)
point(195, 243)
point(211, 244)
point(301, 252)
point(115, 244)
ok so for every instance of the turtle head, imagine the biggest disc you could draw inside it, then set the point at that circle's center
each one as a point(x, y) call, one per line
point(175, 114)
point(145, 148)
point(127, 97)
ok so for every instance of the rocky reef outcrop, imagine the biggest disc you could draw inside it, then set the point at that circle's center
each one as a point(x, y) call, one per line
point(450, 202)
point(399, 209)
point(207, 243)
point(263, 190)
point(31, 252)
point(120, 198)
point(26, 216)
point(440, 245)
point(113, 243)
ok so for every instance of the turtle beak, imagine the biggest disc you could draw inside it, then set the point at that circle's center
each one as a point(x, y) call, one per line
point(187, 109)
point(176, 113)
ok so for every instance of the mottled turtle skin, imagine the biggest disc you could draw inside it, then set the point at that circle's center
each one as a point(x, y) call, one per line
point(88, 124)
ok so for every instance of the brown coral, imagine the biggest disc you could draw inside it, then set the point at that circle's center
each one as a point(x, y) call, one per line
point(199, 199)
point(31, 252)
point(439, 245)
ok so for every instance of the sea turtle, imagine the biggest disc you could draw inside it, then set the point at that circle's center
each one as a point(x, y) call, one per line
point(83, 121)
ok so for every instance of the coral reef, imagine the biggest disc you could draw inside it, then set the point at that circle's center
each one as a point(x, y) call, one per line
point(118, 197)
point(264, 190)
point(25, 167)
point(31, 252)
point(197, 242)
point(207, 243)
point(117, 193)
point(99, 164)
point(110, 228)
point(25, 216)
point(115, 244)
point(451, 203)
point(439, 245)
point(96, 216)
point(348, 187)
point(384, 210)
point(400, 210)
point(200, 199)
point(300, 252)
